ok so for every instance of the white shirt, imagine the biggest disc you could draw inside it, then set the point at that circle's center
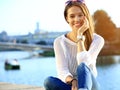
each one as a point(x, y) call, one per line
point(67, 58)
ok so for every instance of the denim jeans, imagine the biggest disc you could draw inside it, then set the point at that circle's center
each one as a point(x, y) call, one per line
point(85, 80)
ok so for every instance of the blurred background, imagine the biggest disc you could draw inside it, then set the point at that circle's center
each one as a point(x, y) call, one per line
point(27, 32)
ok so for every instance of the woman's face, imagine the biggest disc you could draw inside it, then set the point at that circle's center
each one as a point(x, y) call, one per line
point(75, 17)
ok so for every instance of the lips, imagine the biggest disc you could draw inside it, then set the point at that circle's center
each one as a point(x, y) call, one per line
point(78, 24)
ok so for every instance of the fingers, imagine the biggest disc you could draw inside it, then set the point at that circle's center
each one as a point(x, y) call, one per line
point(84, 27)
point(86, 22)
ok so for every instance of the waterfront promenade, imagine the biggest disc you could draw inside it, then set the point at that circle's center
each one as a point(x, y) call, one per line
point(10, 86)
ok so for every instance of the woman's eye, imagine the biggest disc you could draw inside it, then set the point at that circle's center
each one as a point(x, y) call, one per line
point(81, 15)
point(71, 16)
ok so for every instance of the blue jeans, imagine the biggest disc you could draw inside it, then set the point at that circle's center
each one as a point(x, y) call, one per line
point(85, 80)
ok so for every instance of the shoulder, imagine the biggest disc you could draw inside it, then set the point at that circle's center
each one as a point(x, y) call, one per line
point(98, 37)
point(58, 39)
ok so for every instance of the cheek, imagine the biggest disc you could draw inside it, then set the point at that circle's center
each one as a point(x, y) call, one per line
point(71, 24)
point(82, 21)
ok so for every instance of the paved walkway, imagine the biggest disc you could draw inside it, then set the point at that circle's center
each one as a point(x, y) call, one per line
point(10, 86)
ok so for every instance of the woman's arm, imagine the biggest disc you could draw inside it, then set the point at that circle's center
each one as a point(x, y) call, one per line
point(96, 46)
point(61, 60)
point(80, 45)
point(81, 37)
point(73, 82)
point(90, 56)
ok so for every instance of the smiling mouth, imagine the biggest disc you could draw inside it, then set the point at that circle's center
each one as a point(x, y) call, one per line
point(78, 24)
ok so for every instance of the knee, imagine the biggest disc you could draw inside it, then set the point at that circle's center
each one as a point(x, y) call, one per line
point(82, 64)
point(48, 81)
point(83, 67)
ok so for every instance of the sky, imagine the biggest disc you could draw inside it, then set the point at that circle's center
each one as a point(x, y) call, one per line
point(19, 17)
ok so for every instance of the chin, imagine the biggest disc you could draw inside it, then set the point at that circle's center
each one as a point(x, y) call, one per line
point(77, 27)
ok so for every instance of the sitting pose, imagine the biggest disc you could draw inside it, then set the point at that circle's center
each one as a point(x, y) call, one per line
point(76, 51)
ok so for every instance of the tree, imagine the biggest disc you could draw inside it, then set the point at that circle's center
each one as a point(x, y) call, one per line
point(104, 26)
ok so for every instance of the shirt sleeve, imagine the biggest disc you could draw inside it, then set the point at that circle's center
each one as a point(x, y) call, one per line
point(95, 47)
point(90, 56)
point(61, 60)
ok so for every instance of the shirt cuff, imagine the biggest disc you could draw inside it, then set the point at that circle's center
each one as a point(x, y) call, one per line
point(65, 76)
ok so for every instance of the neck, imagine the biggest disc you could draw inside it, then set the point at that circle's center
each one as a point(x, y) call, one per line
point(72, 36)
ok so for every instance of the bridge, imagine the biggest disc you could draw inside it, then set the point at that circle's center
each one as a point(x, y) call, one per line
point(25, 47)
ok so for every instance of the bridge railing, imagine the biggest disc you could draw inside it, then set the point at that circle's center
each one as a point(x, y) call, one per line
point(30, 47)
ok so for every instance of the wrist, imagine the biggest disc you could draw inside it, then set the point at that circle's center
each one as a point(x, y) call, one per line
point(80, 37)
point(72, 81)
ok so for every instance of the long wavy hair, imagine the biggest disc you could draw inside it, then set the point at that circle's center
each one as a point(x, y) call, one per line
point(88, 33)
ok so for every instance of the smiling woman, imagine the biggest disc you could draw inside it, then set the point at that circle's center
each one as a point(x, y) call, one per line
point(76, 51)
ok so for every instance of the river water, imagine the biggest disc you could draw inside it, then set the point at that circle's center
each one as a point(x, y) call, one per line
point(35, 69)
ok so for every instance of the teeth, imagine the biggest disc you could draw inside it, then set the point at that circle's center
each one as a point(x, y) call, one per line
point(77, 24)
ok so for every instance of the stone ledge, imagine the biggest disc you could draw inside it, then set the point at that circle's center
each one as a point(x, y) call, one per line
point(10, 86)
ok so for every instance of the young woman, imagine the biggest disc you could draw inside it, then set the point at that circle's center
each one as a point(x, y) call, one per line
point(76, 52)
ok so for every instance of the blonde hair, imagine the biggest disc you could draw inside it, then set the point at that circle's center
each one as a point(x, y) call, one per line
point(88, 33)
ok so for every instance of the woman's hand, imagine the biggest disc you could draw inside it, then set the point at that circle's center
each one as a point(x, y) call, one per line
point(74, 85)
point(84, 27)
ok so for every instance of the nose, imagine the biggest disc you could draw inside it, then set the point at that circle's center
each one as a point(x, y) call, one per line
point(77, 18)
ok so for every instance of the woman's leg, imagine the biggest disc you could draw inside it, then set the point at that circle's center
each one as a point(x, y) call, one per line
point(84, 77)
point(52, 83)
point(95, 85)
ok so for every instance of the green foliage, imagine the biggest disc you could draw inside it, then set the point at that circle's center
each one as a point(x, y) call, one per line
point(48, 53)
